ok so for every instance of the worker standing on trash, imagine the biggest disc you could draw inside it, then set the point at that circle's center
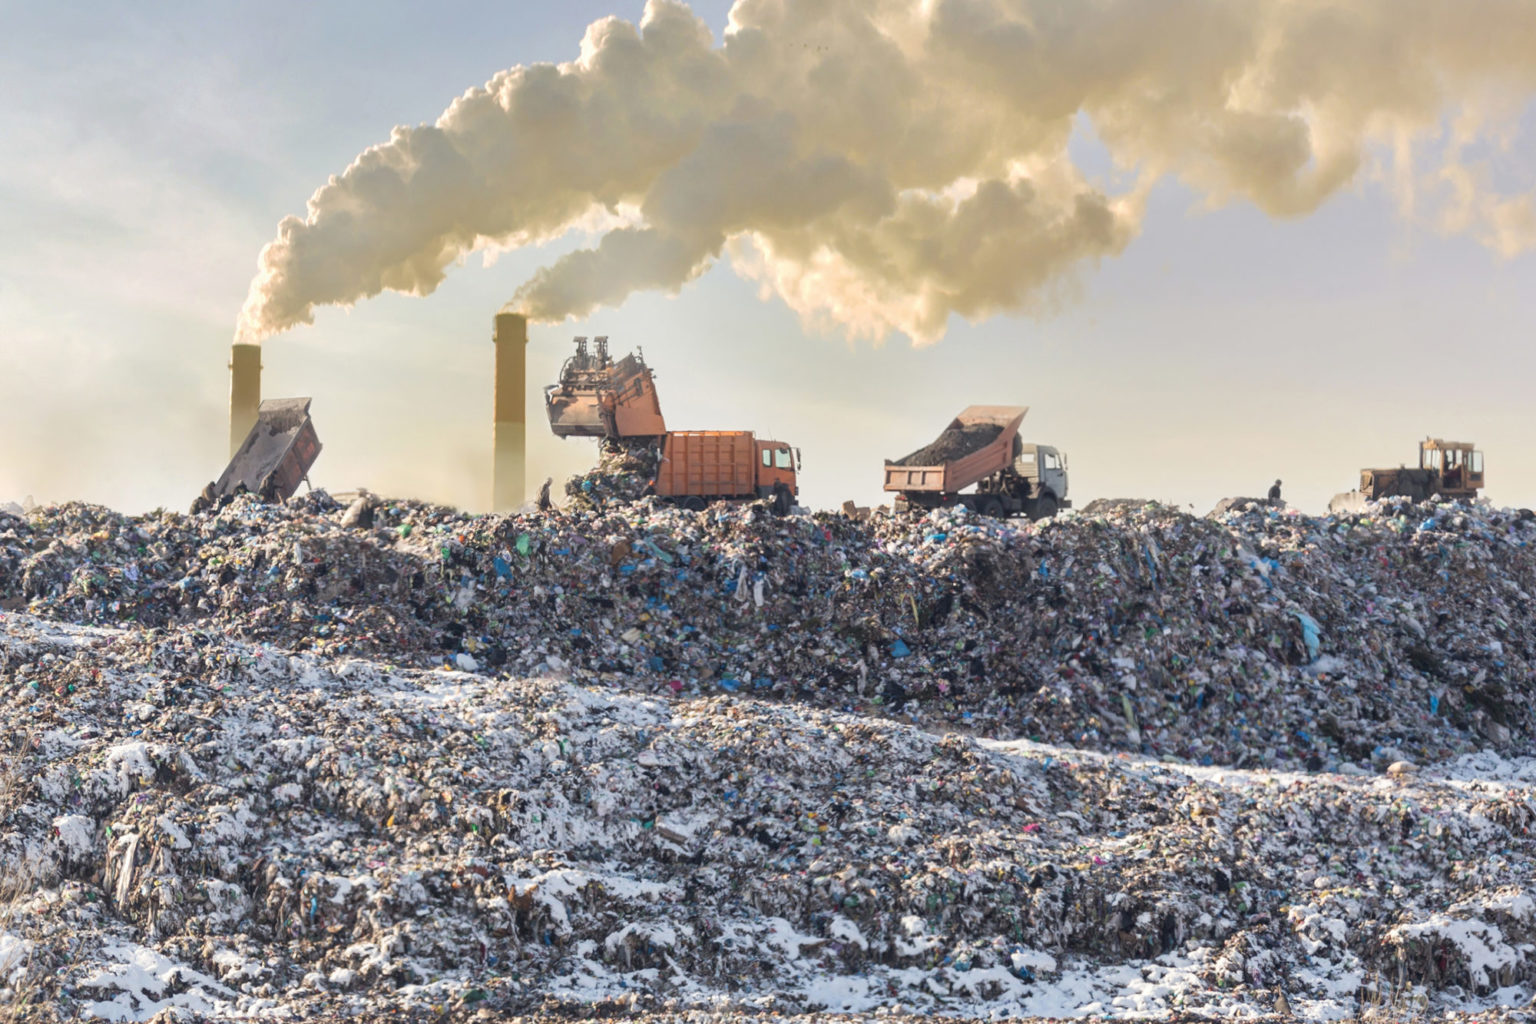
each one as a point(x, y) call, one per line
point(1274, 492)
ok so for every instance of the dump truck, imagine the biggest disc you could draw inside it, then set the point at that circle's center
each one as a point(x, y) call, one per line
point(603, 398)
point(274, 458)
point(1446, 469)
point(981, 448)
point(615, 401)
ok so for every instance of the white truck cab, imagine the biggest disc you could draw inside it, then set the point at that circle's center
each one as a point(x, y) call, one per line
point(1046, 470)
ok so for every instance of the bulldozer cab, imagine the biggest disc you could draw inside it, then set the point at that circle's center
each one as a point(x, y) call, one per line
point(1457, 463)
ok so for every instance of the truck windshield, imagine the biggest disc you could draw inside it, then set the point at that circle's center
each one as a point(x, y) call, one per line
point(782, 459)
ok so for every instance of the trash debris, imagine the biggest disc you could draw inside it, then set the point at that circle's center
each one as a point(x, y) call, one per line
point(623, 473)
point(262, 761)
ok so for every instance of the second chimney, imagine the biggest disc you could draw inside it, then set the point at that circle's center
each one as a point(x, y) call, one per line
point(244, 393)
point(508, 490)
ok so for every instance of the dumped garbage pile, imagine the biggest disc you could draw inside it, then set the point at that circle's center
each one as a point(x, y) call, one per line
point(952, 444)
point(623, 473)
point(1259, 638)
point(230, 828)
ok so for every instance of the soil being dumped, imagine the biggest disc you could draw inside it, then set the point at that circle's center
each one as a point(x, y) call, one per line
point(695, 765)
point(954, 443)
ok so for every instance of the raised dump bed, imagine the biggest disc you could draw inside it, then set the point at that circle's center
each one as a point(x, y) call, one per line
point(976, 444)
point(276, 455)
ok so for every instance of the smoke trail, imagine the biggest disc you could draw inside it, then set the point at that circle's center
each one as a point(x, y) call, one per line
point(883, 164)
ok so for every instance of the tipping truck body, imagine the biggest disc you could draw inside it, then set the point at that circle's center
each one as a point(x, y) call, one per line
point(1448, 469)
point(981, 448)
point(277, 453)
point(598, 396)
point(701, 466)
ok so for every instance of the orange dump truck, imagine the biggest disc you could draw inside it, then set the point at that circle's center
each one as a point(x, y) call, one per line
point(700, 466)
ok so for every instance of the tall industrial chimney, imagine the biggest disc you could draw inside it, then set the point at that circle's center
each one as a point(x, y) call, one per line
point(244, 392)
point(507, 477)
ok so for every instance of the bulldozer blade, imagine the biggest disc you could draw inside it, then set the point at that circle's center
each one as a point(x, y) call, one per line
point(1348, 503)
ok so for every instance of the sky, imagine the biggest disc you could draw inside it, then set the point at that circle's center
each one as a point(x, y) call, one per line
point(150, 152)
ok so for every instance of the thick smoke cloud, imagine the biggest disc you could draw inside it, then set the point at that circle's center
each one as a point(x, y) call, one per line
point(883, 164)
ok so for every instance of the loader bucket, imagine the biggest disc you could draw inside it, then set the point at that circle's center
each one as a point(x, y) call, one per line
point(598, 397)
point(575, 414)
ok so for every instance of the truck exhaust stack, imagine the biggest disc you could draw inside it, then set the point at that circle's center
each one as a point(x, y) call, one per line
point(244, 393)
point(508, 471)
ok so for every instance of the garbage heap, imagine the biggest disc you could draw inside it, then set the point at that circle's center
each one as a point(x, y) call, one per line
point(1258, 638)
point(623, 474)
point(216, 827)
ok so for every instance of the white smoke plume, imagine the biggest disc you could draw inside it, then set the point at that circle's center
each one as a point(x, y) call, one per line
point(883, 164)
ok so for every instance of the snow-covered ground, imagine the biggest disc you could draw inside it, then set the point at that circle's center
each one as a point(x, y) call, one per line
point(230, 830)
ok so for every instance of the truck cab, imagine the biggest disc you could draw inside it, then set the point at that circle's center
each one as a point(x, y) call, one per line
point(777, 464)
point(1045, 468)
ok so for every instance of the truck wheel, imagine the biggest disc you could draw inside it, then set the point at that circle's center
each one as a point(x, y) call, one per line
point(693, 503)
point(990, 507)
point(1044, 508)
point(783, 501)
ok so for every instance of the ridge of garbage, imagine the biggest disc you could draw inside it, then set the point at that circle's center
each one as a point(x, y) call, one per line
point(1255, 638)
point(255, 767)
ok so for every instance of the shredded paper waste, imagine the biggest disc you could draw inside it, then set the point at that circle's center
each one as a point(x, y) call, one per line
point(288, 762)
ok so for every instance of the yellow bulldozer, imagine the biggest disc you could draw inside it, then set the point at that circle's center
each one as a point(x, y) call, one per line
point(1446, 469)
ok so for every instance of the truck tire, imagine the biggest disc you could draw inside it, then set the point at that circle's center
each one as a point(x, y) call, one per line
point(694, 503)
point(783, 501)
point(1044, 507)
point(990, 506)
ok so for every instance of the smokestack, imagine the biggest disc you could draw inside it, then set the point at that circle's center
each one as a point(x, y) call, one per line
point(244, 392)
point(507, 484)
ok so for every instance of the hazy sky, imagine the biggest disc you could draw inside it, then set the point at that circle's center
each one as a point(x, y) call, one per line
point(149, 152)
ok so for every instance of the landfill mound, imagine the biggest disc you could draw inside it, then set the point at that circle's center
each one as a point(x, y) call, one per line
point(954, 443)
point(1260, 638)
point(222, 829)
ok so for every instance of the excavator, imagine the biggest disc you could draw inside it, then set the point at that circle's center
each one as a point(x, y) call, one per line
point(615, 401)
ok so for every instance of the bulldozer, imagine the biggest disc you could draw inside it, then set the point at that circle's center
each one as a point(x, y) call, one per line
point(603, 398)
point(1446, 469)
